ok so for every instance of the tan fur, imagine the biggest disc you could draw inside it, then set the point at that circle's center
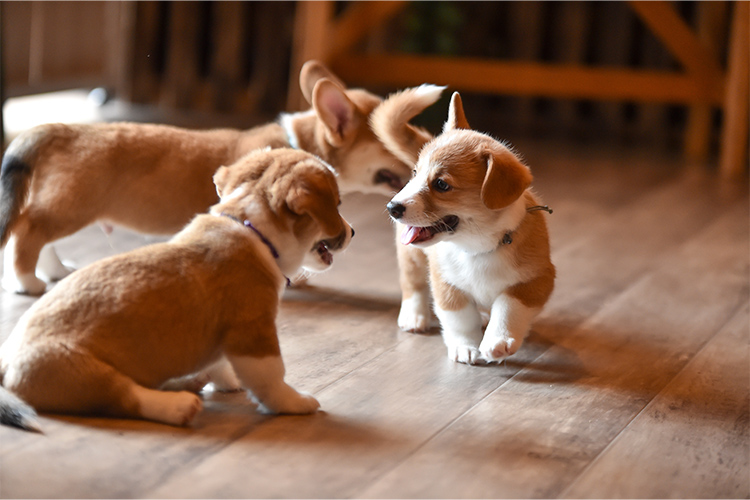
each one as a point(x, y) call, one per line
point(489, 195)
point(104, 337)
point(57, 179)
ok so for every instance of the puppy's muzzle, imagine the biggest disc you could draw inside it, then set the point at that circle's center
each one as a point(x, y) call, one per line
point(338, 242)
point(396, 209)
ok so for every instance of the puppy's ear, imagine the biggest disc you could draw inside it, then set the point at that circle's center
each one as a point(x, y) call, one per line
point(316, 195)
point(311, 72)
point(506, 179)
point(220, 179)
point(335, 111)
point(456, 117)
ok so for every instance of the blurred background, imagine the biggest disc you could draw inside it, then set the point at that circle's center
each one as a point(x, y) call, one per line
point(665, 75)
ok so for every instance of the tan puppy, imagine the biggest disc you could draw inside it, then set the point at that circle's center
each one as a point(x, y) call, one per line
point(485, 238)
point(108, 336)
point(56, 179)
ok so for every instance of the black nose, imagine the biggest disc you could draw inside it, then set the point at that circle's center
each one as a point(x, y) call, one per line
point(352, 232)
point(396, 209)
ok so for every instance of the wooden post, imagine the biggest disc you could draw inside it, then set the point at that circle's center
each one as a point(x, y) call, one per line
point(712, 17)
point(312, 21)
point(734, 160)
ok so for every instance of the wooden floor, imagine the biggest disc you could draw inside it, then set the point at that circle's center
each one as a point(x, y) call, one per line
point(633, 383)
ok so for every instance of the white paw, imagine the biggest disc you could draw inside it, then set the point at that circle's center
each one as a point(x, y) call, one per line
point(296, 403)
point(49, 265)
point(414, 315)
point(27, 284)
point(465, 354)
point(498, 349)
point(182, 408)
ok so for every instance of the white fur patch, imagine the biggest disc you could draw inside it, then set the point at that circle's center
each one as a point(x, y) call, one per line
point(286, 120)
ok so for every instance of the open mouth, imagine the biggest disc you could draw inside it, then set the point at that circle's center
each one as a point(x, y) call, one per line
point(325, 255)
point(413, 234)
point(385, 176)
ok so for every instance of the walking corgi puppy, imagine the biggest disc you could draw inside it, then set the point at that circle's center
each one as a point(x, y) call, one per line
point(107, 337)
point(469, 217)
point(56, 179)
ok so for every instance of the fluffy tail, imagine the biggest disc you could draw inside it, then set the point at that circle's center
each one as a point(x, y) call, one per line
point(15, 174)
point(390, 121)
point(16, 413)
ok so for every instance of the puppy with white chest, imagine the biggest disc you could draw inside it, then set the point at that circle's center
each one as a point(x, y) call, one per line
point(469, 209)
point(108, 337)
point(56, 179)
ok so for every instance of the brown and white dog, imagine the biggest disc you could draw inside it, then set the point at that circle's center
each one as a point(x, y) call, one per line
point(479, 230)
point(56, 179)
point(107, 337)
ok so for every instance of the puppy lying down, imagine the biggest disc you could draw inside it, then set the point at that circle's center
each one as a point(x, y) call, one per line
point(108, 337)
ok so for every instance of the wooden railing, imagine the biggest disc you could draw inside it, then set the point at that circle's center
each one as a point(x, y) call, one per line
point(702, 82)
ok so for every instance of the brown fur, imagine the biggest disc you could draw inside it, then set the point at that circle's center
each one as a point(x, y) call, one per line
point(130, 323)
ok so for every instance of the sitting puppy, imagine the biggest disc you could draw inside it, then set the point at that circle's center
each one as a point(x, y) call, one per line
point(56, 179)
point(106, 338)
point(470, 208)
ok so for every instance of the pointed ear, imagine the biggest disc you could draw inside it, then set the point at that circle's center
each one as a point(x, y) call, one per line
point(220, 179)
point(456, 117)
point(335, 111)
point(506, 179)
point(317, 196)
point(311, 72)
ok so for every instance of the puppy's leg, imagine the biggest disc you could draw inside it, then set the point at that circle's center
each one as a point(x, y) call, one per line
point(414, 315)
point(264, 376)
point(50, 266)
point(512, 314)
point(509, 324)
point(19, 264)
point(65, 381)
point(222, 376)
point(173, 408)
point(460, 321)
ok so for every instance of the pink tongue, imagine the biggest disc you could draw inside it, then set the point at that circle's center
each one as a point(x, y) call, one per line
point(412, 234)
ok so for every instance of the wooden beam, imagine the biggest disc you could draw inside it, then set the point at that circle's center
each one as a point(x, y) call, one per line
point(357, 21)
point(528, 78)
point(734, 147)
point(662, 19)
point(312, 25)
point(712, 18)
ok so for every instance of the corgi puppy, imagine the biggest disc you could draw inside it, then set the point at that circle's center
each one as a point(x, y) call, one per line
point(107, 337)
point(481, 232)
point(56, 179)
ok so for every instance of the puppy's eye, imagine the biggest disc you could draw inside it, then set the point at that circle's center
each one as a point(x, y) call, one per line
point(441, 186)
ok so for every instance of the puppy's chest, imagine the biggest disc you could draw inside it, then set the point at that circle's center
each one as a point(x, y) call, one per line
point(483, 276)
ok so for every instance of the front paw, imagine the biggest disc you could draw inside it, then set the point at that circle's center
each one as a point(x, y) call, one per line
point(26, 284)
point(300, 403)
point(498, 349)
point(414, 315)
point(465, 354)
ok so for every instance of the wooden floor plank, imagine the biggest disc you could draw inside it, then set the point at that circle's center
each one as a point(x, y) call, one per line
point(692, 440)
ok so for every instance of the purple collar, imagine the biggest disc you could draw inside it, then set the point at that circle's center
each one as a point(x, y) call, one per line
point(265, 240)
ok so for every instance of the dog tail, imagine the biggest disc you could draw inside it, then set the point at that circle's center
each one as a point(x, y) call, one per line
point(390, 121)
point(15, 176)
point(16, 413)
